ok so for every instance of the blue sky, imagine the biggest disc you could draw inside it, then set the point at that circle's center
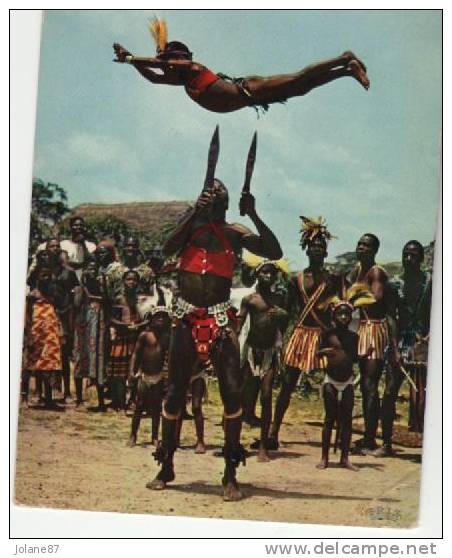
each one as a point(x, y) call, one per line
point(367, 161)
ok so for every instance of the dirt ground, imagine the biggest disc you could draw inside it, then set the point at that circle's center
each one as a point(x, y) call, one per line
point(74, 459)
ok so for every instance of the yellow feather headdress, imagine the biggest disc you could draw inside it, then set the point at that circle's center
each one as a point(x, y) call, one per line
point(354, 297)
point(310, 228)
point(159, 32)
point(256, 262)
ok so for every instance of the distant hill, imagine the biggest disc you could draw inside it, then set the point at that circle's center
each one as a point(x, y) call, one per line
point(142, 216)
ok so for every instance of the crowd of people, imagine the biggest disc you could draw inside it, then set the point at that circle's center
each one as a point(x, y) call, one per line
point(85, 305)
point(146, 334)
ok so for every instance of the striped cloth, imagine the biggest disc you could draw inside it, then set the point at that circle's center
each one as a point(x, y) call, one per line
point(373, 333)
point(121, 351)
point(302, 347)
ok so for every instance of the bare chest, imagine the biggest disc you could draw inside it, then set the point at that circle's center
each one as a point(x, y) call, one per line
point(224, 238)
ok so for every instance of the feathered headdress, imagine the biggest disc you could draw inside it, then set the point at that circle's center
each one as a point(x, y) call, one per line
point(256, 262)
point(354, 297)
point(310, 228)
point(156, 309)
point(159, 32)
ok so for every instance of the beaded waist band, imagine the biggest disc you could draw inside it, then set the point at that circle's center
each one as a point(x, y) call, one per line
point(182, 308)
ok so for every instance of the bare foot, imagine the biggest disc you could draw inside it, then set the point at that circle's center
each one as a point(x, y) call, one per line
point(231, 492)
point(160, 481)
point(322, 465)
point(132, 442)
point(352, 56)
point(156, 484)
point(263, 456)
point(200, 447)
point(359, 74)
point(347, 465)
point(154, 442)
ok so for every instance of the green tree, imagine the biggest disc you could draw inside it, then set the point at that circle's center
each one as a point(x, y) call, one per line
point(48, 206)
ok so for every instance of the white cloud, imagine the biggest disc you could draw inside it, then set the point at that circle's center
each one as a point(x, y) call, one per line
point(339, 152)
point(96, 149)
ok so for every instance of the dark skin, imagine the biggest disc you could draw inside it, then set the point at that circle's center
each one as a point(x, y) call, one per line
point(223, 96)
point(266, 320)
point(150, 350)
point(207, 290)
point(412, 259)
point(373, 276)
point(78, 234)
point(313, 276)
point(413, 277)
point(148, 359)
point(43, 284)
point(267, 317)
point(371, 368)
point(63, 273)
point(131, 253)
point(204, 290)
point(130, 282)
point(95, 291)
point(156, 263)
point(340, 346)
point(132, 258)
point(66, 278)
point(78, 230)
point(130, 322)
point(90, 279)
point(197, 391)
point(45, 290)
point(44, 259)
point(53, 246)
point(377, 280)
point(104, 256)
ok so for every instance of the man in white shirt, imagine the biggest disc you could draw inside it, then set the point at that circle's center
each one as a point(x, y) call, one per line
point(77, 248)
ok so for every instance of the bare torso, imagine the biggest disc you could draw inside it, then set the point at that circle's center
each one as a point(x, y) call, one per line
point(343, 351)
point(311, 282)
point(266, 320)
point(220, 96)
point(151, 353)
point(377, 281)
